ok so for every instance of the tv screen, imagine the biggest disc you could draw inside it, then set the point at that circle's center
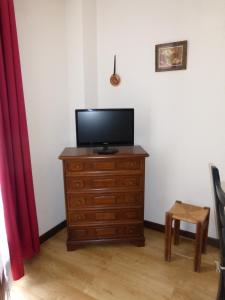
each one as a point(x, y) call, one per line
point(104, 127)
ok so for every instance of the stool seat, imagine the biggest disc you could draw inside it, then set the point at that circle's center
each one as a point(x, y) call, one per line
point(191, 214)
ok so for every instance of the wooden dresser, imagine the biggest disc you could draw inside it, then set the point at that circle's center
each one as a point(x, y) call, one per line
point(104, 196)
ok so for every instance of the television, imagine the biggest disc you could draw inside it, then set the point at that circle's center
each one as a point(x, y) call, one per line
point(104, 128)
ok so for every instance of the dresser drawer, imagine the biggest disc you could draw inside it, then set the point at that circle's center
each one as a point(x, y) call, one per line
point(107, 215)
point(105, 232)
point(83, 200)
point(74, 166)
point(79, 183)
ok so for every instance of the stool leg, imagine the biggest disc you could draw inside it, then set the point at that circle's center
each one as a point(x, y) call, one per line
point(205, 234)
point(168, 236)
point(198, 247)
point(176, 232)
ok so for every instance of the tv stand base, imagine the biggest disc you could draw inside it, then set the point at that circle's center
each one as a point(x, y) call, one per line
point(105, 151)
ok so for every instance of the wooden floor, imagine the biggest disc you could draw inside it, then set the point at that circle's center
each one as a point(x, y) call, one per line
point(117, 272)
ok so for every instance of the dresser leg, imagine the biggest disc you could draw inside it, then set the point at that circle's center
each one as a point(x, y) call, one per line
point(72, 246)
point(140, 243)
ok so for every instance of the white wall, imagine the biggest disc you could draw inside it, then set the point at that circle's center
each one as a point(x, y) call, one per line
point(74, 61)
point(57, 41)
point(41, 32)
point(90, 52)
point(81, 44)
point(179, 115)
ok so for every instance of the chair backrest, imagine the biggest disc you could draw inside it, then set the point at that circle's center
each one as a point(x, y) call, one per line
point(220, 212)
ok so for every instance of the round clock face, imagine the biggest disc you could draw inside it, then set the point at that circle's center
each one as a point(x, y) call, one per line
point(115, 79)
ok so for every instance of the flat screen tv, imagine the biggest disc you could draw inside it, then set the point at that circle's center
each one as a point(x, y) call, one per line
point(104, 128)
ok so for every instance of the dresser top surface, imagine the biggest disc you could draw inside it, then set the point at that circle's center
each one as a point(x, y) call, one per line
point(123, 151)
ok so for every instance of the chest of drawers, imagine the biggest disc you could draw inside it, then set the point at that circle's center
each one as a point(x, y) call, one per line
point(104, 196)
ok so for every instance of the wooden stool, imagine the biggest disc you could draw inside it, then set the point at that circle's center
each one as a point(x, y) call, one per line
point(191, 214)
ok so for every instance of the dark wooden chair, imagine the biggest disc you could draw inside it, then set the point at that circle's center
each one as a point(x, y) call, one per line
point(219, 196)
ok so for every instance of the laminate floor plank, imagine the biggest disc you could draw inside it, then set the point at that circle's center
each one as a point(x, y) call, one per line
point(117, 272)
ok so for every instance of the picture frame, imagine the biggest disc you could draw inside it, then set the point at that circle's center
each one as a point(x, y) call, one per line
point(171, 56)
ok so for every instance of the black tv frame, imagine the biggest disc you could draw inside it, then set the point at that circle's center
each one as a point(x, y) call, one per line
point(106, 147)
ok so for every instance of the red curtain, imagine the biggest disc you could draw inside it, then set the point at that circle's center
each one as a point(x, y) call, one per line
point(15, 166)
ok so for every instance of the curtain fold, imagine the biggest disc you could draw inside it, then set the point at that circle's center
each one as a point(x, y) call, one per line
point(15, 165)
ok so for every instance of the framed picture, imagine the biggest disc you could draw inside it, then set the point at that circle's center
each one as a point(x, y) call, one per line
point(171, 56)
